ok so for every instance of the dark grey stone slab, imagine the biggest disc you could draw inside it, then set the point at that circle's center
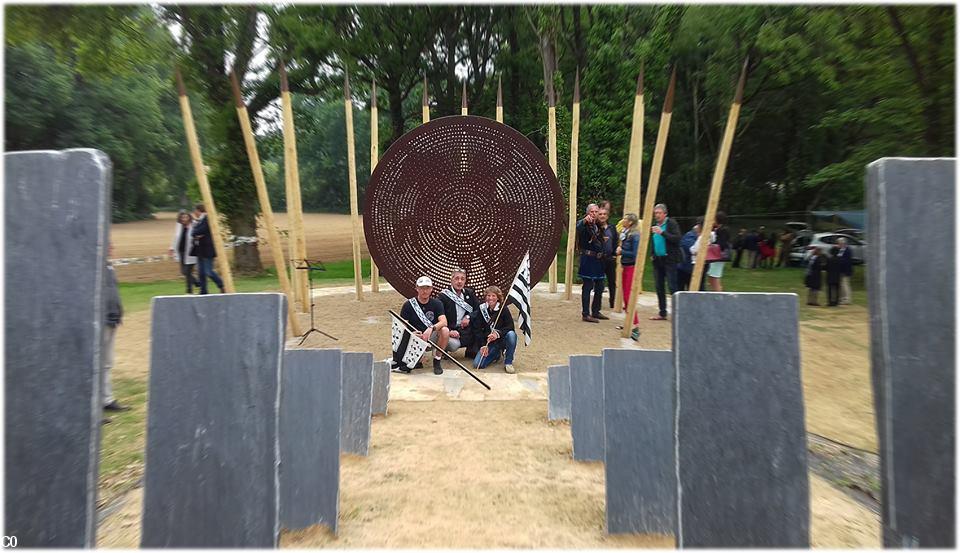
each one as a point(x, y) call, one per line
point(357, 393)
point(912, 332)
point(586, 407)
point(741, 447)
point(57, 217)
point(640, 462)
point(558, 398)
point(212, 429)
point(310, 438)
point(381, 387)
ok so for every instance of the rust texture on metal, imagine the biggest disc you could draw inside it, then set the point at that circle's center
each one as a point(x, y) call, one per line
point(462, 192)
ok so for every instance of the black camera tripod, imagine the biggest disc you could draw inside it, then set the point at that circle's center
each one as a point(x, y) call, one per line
point(309, 267)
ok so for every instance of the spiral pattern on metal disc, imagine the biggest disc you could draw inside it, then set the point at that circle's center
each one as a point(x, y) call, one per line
point(462, 192)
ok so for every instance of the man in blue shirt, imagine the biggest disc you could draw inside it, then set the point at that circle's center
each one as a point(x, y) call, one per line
point(666, 255)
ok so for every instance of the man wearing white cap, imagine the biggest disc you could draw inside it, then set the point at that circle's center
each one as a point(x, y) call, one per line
point(426, 315)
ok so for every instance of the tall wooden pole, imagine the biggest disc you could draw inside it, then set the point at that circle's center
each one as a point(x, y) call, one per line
point(352, 177)
point(374, 159)
point(552, 147)
point(463, 100)
point(631, 189)
point(425, 108)
point(715, 187)
point(499, 102)
point(201, 173)
point(276, 249)
point(574, 165)
point(653, 185)
point(297, 241)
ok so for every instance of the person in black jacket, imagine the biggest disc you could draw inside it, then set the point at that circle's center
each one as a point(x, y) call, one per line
point(845, 257)
point(666, 255)
point(590, 244)
point(459, 302)
point(611, 241)
point(833, 277)
point(204, 250)
point(500, 337)
point(813, 279)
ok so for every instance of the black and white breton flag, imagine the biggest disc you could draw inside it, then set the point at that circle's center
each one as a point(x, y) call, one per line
point(405, 342)
point(520, 296)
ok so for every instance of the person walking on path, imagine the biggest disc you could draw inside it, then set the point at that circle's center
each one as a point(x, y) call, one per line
point(846, 271)
point(204, 249)
point(182, 249)
point(666, 255)
point(590, 241)
point(629, 243)
point(113, 316)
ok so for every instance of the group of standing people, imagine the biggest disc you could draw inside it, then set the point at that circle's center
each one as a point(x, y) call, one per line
point(457, 318)
point(672, 256)
point(838, 264)
point(761, 248)
point(193, 247)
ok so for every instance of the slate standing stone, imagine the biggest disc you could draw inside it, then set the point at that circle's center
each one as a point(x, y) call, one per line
point(558, 382)
point(57, 216)
point(212, 429)
point(911, 276)
point(640, 462)
point(586, 407)
point(310, 438)
point(357, 393)
point(381, 387)
point(741, 446)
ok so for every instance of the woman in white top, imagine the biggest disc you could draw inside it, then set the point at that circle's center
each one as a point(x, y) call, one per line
point(182, 247)
point(693, 253)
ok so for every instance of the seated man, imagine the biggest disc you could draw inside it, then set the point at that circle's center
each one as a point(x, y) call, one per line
point(459, 302)
point(499, 333)
point(426, 315)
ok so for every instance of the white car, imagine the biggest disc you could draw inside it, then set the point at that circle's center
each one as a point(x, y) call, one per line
point(803, 246)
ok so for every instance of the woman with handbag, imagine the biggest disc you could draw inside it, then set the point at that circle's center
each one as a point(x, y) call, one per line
point(718, 252)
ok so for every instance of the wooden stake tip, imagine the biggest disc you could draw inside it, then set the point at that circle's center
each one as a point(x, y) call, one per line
point(235, 86)
point(284, 85)
point(668, 103)
point(181, 90)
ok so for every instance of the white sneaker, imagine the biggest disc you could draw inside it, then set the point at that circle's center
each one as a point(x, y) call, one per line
point(510, 369)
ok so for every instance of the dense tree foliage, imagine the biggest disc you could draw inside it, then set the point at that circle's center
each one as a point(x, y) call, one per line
point(829, 89)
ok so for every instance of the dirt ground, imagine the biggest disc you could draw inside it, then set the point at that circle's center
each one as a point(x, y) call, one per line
point(486, 474)
point(328, 238)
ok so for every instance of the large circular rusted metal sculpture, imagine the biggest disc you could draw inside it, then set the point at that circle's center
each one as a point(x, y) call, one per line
point(462, 192)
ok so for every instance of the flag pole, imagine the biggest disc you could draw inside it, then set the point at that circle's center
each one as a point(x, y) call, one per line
point(414, 331)
point(717, 183)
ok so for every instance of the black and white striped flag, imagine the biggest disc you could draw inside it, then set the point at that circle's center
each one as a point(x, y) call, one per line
point(520, 296)
point(411, 346)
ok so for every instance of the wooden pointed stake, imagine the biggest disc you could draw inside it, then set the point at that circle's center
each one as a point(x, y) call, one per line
point(717, 184)
point(425, 116)
point(552, 148)
point(374, 158)
point(653, 185)
point(631, 194)
point(190, 130)
point(276, 249)
point(572, 208)
point(463, 100)
point(352, 178)
point(499, 101)
point(297, 240)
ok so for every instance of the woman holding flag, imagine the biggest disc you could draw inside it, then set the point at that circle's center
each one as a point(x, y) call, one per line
point(493, 320)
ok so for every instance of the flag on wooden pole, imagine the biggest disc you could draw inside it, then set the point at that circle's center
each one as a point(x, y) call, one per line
point(520, 296)
point(410, 346)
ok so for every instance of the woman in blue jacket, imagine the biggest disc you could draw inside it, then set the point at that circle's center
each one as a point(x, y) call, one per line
point(629, 243)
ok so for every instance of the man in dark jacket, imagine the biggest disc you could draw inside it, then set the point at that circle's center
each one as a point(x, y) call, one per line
point(666, 255)
point(459, 302)
point(113, 315)
point(590, 242)
point(751, 243)
point(204, 249)
point(611, 241)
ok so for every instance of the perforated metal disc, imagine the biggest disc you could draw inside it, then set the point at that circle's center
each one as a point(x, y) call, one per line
point(463, 192)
